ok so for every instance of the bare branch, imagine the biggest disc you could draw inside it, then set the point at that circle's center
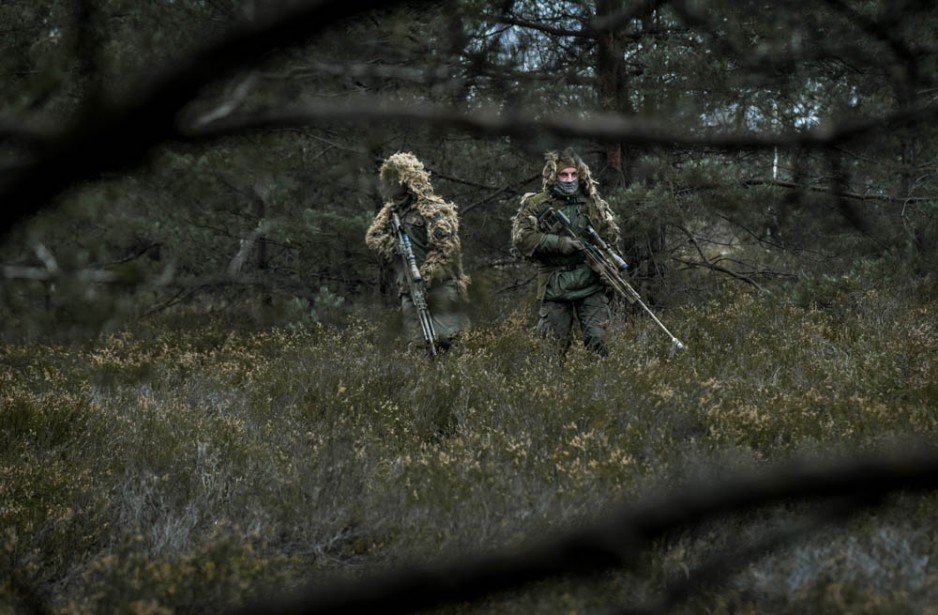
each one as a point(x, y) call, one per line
point(510, 189)
point(516, 285)
point(365, 71)
point(777, 183)
point(118, 136)
point(599, 127)
point(847, 195)
point(729, 272)
point(434, 172)
point(533, 25)
point(97, 276)
point(134, 255)
point(180, 296)
point(706, 263)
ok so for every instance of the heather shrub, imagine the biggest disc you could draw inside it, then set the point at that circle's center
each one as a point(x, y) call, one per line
point(166, 467)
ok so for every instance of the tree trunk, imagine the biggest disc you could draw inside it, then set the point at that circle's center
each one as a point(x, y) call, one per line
point(613, 98)
point(260, 213)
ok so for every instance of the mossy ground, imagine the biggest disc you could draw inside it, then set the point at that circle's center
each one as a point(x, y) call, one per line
point(171, 467)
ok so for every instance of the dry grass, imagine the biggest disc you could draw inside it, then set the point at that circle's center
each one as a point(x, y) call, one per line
point(166, 468)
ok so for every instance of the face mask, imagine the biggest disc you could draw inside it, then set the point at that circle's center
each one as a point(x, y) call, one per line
point(396, 191)
point(568, 188)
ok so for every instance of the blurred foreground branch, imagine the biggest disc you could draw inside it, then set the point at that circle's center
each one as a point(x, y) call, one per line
point(639, 131)
point(18, 272)
point(107, 139)
point(618, 541)
point(117, 136)
point(721, 567)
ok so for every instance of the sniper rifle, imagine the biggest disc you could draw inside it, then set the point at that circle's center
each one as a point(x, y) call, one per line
point(604, 260)
point(415, 283)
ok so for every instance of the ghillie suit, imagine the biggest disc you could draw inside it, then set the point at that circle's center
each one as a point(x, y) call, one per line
point(433, 227)
point(566, 286)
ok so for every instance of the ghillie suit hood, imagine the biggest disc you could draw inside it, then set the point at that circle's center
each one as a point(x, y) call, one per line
point(558, 161)
point(444, 258)
point(404, 169)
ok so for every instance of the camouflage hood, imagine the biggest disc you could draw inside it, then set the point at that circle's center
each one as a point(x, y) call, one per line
point(557, 161)
point(404, 169)
point(444, 260)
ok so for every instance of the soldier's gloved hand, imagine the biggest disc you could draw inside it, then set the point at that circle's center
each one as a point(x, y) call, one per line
point(567, 245)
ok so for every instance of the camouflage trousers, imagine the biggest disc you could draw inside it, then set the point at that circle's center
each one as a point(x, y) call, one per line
point(447, 310)
point(592, 312)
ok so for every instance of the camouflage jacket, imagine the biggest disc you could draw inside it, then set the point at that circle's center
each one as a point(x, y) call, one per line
point(561, 277)
point(433, 227)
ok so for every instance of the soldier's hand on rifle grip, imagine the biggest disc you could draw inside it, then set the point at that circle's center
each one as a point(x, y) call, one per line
point(567, 245)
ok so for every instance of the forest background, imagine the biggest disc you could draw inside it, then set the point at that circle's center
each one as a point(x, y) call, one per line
point(204, 401)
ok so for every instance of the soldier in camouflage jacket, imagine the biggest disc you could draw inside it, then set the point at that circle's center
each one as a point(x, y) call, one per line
point(567, 289)
point(433, 227)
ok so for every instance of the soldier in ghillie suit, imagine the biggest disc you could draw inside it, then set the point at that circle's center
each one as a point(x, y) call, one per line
point(567, 287)
point(433, 227)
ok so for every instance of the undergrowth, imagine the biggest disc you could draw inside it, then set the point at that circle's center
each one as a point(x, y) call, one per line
point(173, 468)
